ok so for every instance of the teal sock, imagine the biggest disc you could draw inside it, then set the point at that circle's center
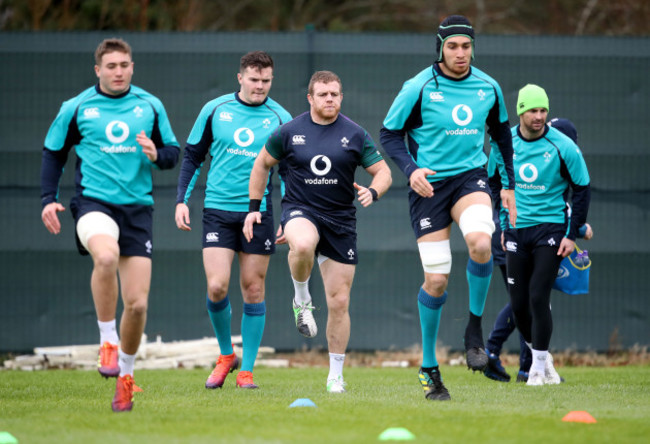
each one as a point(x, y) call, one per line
point(252, 328)
point(430, 309)
point(220, 314)
point(478, 279)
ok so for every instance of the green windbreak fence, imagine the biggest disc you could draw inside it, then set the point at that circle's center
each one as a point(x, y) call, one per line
point(599, 83)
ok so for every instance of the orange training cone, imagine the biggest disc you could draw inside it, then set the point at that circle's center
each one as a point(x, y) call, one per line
point(579, 416)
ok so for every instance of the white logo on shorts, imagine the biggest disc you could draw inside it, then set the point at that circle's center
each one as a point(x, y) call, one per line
point(511, 246)
point(481, 183)
point(267, 245)
point(425, 223)
point(551, 241)
point(149, 246)
point(511, 281)
point(351, 254)
point(212, 237)
point(295, 213)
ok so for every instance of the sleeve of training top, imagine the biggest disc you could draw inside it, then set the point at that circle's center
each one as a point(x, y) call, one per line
point(274, 144)
point(574, 170)
point(61, 137)
point(164, 139)
point(397, 122)
point(370, 154)
point(494, 169)
point(499, 131)
point(196, 150)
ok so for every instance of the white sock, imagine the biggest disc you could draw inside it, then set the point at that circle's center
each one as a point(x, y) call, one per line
point(336, 365)
point(108, 332)
point(539, 361)
point(127, 362)
point(301, 289)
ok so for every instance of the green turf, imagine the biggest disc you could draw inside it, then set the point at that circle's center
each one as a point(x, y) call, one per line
point(74, 407)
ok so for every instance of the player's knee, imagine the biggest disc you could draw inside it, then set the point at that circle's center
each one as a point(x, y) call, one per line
point(479, 245)
point(435, 284)
point(137, 307)
point(253, 292)
point(217, 290)
point(338, 303)
point(105, 260)
point(302, 247)
point(477, 218)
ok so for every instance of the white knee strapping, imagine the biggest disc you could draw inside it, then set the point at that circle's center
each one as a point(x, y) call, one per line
point(476, 217)
point(435, 256)
point(94, 223)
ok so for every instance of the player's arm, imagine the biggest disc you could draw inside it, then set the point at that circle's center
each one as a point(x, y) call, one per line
point(381, 181)
point(162, 148)
point(196, 150)
point(256, 186)
point(61, 137)
point(403, 115)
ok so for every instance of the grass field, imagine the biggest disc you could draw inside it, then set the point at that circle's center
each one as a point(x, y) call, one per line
point(69, 406)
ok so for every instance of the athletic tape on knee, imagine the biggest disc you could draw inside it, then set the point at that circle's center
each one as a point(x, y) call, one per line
point(475, 218)
point(435, 256)
point(94, 223)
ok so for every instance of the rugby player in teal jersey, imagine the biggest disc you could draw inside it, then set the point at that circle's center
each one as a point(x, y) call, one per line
point(120, 133)
point(547, 163)
point(443, 112)
point(232, 129)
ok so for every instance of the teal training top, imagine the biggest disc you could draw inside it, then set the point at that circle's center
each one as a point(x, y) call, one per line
point(233, 133)
point(545, 168)
point(444, 120)
point(102, 128)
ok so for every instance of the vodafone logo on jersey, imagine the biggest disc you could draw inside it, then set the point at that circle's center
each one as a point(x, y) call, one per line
point(466, 113)
point(525, 175)
point(529, 174)
point(244, 137)
point(116, 133)
point(119, 135)
point(462, 115)
point(320, 165)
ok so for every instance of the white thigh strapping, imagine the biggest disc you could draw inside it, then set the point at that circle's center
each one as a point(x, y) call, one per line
point(321, 259)
point(94, 223)
point(476, 217)
point(435, 256)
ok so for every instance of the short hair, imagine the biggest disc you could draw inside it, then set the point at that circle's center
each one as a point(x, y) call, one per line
point(323, 77)
point(255, 59)
point(111, 45)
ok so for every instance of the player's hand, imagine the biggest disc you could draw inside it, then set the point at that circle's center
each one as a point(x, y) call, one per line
point(419, 183)
point(589, 233)
point(148, 147)
point(182, 217)
point(252, 218)
point(279, 236)
point(365, 196)
point(50, 217)
point(566, 247)
point(508, 202)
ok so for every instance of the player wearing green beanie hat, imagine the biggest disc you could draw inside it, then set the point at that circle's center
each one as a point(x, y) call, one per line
point(531, 96)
